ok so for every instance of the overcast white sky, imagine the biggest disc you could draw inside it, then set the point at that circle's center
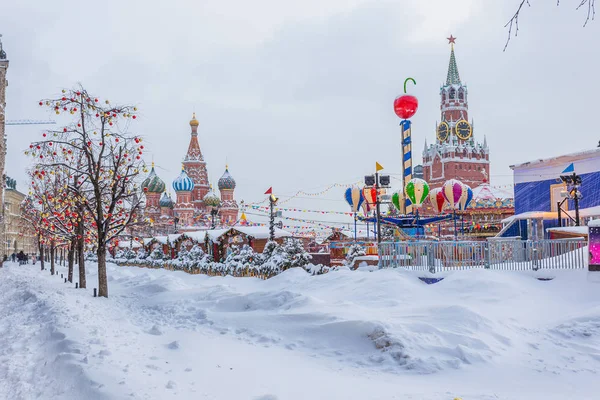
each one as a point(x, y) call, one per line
point(298, 95)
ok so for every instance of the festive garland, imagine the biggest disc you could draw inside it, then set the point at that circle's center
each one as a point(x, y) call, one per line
point(303, 210)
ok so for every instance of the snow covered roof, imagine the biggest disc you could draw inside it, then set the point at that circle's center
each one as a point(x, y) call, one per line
point(594, 223)
point(215, 234)
point(583, 213)
point(579, 230)
point(560, 160)
point(173, 237)
point(130, 243)
point(487, 192)
point(257, 232)
point(198, 236)
point(532, 215)
point(261, 232)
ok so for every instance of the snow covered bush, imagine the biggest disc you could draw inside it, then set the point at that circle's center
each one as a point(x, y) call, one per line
point(128, 254)
point(317, 269)
point(296, 256)
point(141, 254)
point(156, 257)
point(356, 250)
point(157, 254)
point(268, 251)
point(196, 253)
point(241, 261)
point(277, 258)
point(91, 256)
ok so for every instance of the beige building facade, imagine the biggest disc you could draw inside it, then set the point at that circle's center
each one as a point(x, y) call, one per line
point(3, 84)
point(19, 235)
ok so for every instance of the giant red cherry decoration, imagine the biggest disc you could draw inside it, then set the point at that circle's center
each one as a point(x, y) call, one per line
point(406, 105)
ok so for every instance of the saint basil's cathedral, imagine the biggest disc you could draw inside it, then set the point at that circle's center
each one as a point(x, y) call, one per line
point(195, 198)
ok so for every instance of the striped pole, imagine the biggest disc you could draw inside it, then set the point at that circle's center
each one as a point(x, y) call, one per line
point(406, 162)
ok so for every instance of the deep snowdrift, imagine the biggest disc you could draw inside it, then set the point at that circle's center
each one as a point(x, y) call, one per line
point(353, 335)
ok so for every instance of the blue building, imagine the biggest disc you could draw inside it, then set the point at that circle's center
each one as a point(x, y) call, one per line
point(539, 189)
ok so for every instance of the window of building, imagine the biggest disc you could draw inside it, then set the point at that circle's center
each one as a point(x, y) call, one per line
point(452, 93)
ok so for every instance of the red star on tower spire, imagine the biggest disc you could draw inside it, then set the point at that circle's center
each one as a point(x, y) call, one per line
point(451, 39)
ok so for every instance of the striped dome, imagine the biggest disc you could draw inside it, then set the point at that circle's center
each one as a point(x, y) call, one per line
point(226, 181)
point(166, 201)
point(153, 184)
point(183, 183)
point(211, 199)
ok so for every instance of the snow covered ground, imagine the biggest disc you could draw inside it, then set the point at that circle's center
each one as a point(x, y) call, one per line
point(478, 335)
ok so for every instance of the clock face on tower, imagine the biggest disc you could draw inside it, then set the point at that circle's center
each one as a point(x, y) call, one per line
point(443, 131)
point(463, 130)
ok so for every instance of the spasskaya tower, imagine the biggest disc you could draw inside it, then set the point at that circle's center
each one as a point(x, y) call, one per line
point(455, 154)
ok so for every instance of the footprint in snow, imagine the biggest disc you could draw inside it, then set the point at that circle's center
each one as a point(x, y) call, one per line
point(266, 397)
point(173, 345)
point(155, 331)
point(170, 385)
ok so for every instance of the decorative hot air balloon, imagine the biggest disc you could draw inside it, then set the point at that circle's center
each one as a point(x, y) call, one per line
point(369, 195)
point(453, 190)
point(365, 206)
point(466, 197)
point(417, 190)
point(398, 201)
point(437, 199)
point(355, 198)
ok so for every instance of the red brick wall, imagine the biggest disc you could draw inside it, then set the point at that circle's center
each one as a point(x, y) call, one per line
point(455, 170)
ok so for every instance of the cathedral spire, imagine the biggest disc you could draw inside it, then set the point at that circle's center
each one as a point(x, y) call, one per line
point(453, 77)
point(2, 52)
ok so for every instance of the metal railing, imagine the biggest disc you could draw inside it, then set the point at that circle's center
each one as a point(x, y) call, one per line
point(492, 254)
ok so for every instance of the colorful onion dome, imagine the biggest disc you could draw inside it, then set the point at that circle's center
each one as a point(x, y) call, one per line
point(153, 184)
point(183, 183)
point(166, 201)
point(211, 199)
point(194, 121)
point(226, 181)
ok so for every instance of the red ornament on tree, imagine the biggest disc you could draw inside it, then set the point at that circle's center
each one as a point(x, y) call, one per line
point(405, 106)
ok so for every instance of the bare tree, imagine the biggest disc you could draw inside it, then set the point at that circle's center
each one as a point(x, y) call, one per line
point(33, 215)
point(110, 164)
point(58, 192)
point(514, 21)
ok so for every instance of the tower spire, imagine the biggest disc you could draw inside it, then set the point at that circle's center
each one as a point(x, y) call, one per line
point(2, 52)
point(453, 77)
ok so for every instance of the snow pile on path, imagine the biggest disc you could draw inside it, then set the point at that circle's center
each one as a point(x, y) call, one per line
point(353, 334)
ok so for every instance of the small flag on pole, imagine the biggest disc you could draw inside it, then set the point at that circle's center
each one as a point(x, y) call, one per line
point(269, 191)
point(378, 167)
point(570, 168)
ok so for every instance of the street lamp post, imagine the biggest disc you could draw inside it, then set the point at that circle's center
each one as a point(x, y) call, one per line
point(573, 182)
point(272, 202)
point(213, 214)
point(377, 182)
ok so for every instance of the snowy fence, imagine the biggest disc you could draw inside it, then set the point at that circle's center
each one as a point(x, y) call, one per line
point(492, 254)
